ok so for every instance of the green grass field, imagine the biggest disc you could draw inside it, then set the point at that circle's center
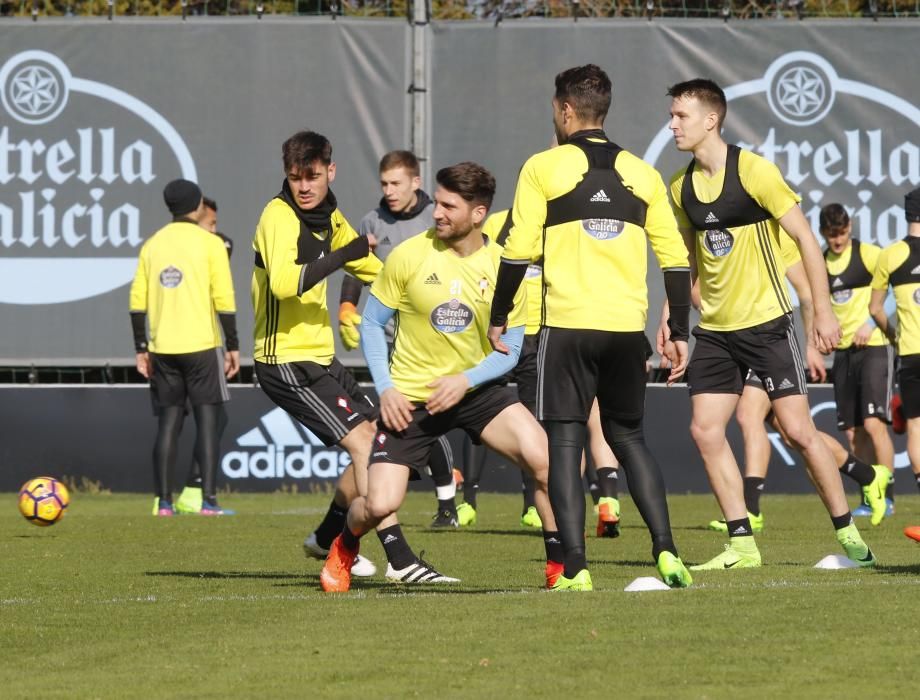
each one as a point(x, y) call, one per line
point(113, 603)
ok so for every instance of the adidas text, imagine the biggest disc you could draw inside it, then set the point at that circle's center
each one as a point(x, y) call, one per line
point(600, 196)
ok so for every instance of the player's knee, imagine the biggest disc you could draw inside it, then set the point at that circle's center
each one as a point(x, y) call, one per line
point(706, 435)
point(378, 507)
point(536, 461)
point(802, 437)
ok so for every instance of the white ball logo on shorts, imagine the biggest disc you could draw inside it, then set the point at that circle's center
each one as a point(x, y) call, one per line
point(171, 277)
point(451, 317)
point(718, 242)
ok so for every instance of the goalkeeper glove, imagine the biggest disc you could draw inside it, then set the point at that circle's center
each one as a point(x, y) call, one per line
point(349, 322)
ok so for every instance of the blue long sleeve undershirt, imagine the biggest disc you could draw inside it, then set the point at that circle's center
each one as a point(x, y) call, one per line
point(374, 344)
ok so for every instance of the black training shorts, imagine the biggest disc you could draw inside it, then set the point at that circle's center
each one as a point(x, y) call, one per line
point(862, 384)
point(194, 376)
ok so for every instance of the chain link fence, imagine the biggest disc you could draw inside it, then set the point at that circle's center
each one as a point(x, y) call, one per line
point(494, 10)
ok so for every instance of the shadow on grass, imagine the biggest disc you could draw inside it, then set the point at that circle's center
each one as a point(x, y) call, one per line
point(481, 531)
point(900, 569)
point(264, 575)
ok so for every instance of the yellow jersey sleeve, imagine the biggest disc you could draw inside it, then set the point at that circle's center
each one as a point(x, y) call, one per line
point(221, 279)
point(660, 223)
point(676, 183)
point(493, 225)
point(889, 258)
point(764, 182)
point(390, 285)
point(138, 297)
point(528, 214)
point(366, 268)
point(276, 241)
point(870, 255)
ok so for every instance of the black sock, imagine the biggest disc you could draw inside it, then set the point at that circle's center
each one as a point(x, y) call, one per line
point(753, 487)
point(398, 551)
point(857, 470)
point(350, 540)
point(553, 545)
point(607, 482)
point(917, 476)
point(575, 561)
point(889, 490)
point(739, 528)
point(447, 504)
point(663, 544)
point(332, 525)
point(842, 521)
point(595, 492)
point(469, 494)
point(193, 482)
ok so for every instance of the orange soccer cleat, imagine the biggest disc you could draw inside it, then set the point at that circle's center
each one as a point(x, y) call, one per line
point(336, 574)
point(608, 517)
point(913, 532)
point(554, 570)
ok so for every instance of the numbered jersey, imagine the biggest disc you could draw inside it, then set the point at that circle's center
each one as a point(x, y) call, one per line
point(442, 304)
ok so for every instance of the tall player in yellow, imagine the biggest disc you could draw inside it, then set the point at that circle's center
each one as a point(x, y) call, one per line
point(442, 375)
point(730, 206)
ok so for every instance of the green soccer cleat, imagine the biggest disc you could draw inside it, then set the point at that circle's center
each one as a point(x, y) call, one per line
point(466, 515)
point(579, 582)
point(673, 572)
point(190, 500)
point(874, 494)
point(857, 550)
point(531, 518)
point(740, 553)
point(756, 523)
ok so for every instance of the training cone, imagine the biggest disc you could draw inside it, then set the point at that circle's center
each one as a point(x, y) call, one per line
point(647, 583)
point(836, 561)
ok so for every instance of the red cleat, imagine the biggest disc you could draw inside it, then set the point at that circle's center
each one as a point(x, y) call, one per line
point(608, 518)
point(336, 574)
point(554, 570)
point(913, 532)
point(898, 422)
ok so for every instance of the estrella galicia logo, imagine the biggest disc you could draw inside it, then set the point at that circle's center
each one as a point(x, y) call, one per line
point(603, 229)
point(171, 277)
point(451, 317)
point(718, 242)
point(917, 295)
point(833, 138)
point(842, 296)
point(82, 165)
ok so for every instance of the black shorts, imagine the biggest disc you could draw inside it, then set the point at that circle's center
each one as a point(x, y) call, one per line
point(862, 385)
point(721, 360)
point(525, 373)
point(412, 446)
point(325, 399)
point(576, 365)
point(909, 385)
point(197, 377)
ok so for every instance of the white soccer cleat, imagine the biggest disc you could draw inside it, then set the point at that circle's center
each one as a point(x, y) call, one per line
point(418, 572)
point(363, 567)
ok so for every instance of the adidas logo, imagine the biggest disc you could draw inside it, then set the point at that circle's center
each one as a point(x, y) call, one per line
point(740, 531)
point(600, 196)
point(916, 270)
point(432, 279)
point(384, 241)
point(839, 282)
point(785, 384)
point(278, 448)
point(711, 218)
point(389, 538)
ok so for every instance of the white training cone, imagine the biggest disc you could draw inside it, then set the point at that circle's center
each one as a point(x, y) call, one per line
point(836, 561)
point(647, 583)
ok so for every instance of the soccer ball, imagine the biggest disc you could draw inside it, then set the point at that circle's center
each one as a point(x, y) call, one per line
point(42, 501)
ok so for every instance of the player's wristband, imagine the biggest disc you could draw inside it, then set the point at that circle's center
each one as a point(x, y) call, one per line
point(228, 323)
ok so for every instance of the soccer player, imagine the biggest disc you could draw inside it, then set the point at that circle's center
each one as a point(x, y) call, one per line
point(590, 208)
point(441, 375)
point(863, 358)
point(754, 409)
point(183, 287)
point(301, 239)
point(190, 499)
point(899, 266)
point(731, 205)
point(404, 211)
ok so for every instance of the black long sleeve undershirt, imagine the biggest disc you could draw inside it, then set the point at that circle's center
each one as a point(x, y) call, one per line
point(139, 328)
point(351, 290)
point(319, 270)
point(510, 276)
point(677, 289)
point(228, 323)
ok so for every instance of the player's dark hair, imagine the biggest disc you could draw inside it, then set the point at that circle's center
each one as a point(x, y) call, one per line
point(209, 203)
point(833, 217)
point(400, 159)
point(303, 149)
point(587, 89)
point(706, 91)
point(470, 180)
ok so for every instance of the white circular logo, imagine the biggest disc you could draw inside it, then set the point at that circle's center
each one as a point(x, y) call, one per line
point(34, 87)
point(603, 229)
point(842, 296)
point(171, 277)
point(718, 242)
point(452, 317)
point(800, 88)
